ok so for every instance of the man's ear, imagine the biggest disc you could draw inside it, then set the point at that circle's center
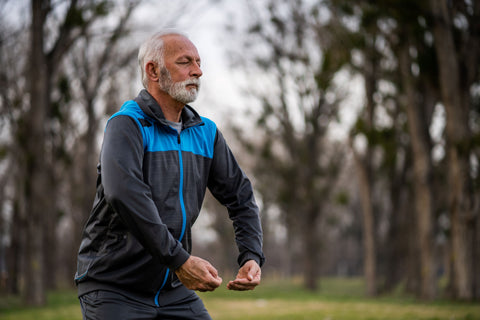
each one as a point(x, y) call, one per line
point(152, 71)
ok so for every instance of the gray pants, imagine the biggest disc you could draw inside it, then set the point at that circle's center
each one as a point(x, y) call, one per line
point(108, 305)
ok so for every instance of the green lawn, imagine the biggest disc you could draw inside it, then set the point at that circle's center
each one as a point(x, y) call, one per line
point(340, 299)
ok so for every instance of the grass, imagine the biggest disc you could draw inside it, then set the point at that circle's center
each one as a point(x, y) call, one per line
point(61, 305)
point(338, 299)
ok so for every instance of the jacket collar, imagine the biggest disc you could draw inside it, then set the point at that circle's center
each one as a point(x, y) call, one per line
point(152, 109)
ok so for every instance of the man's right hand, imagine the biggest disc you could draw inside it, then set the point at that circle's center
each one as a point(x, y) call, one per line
point(198, 274)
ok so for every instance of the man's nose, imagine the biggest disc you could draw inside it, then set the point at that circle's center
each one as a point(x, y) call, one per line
point(196, 70)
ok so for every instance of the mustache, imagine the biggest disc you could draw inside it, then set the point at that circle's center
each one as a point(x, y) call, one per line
point(193, 81)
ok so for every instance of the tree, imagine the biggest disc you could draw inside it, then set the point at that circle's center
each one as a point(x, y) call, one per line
point(363, 164)
point(410, 33)
point(422, 164)
point(38, 157)
point(419, 106)
point(384, 37)
point(457, 38)
point(298, 165)
point(365, 38)
point(12, 48)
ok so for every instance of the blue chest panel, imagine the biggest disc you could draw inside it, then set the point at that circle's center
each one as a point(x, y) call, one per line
point(198, 139)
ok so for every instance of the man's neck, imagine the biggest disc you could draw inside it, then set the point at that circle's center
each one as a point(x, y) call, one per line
point(171, 108)
point(171, 111)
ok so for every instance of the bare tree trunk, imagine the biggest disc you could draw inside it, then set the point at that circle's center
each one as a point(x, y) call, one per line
point(398, 259)
point(363, 165)
point(476, 262)
point(50, 192)
point(422, 177)
point(15, 252)
point(294, 242)
point(458, 151)
point(369, 260)
point(35, 178)
point(311, 246)
point(412, 270)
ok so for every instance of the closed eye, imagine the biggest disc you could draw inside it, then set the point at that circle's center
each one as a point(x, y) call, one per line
point(189, 61)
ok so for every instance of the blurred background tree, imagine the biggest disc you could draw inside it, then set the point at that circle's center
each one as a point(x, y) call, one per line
point(296, 165)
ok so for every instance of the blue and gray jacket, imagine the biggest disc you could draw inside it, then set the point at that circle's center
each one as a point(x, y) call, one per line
point(150, 188)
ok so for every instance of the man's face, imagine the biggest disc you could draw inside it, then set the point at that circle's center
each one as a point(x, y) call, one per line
point(180, 77)
point(184, 91)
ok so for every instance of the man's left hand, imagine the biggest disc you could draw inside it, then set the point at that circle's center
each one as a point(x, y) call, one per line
point(248, 277)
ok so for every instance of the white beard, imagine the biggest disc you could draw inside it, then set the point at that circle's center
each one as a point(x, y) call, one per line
point(178, 90)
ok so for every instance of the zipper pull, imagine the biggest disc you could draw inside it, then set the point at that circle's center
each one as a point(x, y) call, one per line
point(178, 138)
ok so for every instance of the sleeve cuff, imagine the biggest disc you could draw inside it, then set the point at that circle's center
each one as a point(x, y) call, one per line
point(179, 259)
point(250, 256)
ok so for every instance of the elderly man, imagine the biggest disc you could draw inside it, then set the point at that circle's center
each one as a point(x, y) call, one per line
point(157, 159)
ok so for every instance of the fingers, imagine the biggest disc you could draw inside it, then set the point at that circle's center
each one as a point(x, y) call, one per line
point(242, 284)
point(212, 280)
point(209, 283)
point(247, 283)
point(248, 277)
point(198, 274)
point(207, 286)
point(211, 270)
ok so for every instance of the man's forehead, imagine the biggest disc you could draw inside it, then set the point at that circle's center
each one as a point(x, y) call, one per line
point(179, 45)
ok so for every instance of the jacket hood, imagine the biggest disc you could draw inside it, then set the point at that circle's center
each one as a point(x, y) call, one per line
point(151, 108)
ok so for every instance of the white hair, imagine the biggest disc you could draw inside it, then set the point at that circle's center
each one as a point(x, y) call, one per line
point(153, 50)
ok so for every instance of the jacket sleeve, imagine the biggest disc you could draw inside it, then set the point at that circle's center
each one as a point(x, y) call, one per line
point(231, 187)
point(122, 178)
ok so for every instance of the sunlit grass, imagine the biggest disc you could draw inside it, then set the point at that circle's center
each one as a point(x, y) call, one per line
point(310, 309)
point(61, 305)
point(337, 299)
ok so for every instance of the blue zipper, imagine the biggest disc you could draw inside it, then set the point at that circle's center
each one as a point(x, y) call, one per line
point(161, 287)
point(182, 202)
point(184, 213)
